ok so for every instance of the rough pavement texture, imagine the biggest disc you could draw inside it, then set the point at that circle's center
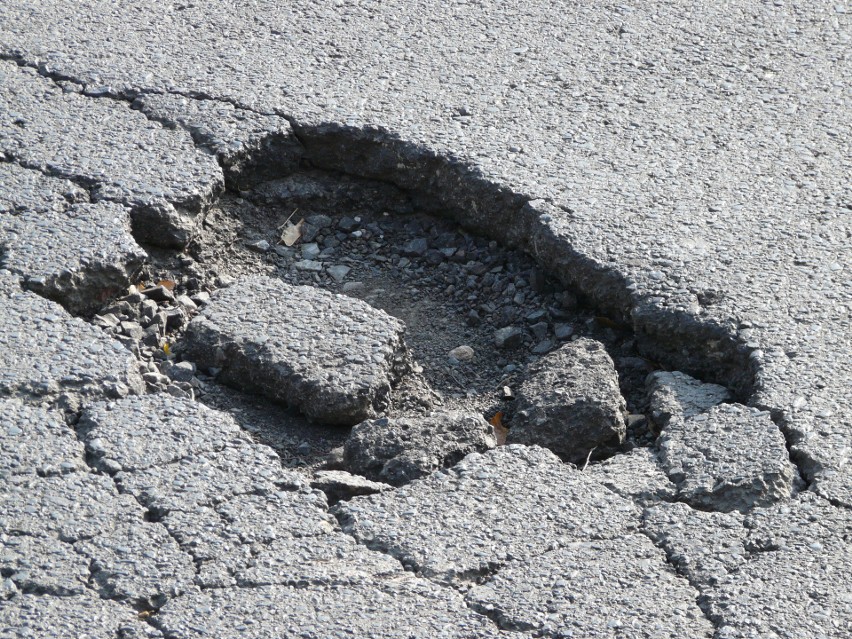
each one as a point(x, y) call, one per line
point(677, 395)
point(512, 503)
point(729, 458)
point(404, 608)
point(636, 475)
point(707, 130)
point(111, 150)
point(64, 248)
point(607, 588)
point(36, 441)
point(776, 572)
point(251, 147)
point(137, 433)
point(397, 450)
point(332, 357)
point(685, 167)
point(47, 354)
point(571, 403)
point(32, 617)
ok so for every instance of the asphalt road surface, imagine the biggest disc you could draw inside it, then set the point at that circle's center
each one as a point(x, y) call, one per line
point(684, 167)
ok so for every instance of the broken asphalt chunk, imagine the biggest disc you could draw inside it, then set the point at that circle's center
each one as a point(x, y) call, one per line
point(571, 403)
point(730, 458)
point(397, 450)
point(332, 357)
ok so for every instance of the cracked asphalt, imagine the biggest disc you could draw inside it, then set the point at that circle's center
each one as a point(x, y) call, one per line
point(683, 166)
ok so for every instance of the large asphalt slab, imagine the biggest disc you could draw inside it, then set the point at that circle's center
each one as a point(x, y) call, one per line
point(685, 165)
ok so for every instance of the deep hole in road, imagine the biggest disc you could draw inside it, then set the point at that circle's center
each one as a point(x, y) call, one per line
point(454, 289)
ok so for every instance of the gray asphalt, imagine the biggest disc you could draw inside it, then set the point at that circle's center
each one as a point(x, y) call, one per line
point(684, 165)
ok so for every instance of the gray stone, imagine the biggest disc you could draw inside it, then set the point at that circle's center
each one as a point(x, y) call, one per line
point(158, 293)
point(138, 433)
point(260, 246)
point(338, 272)
point(310, 251)
point(508, 337)
point(463, 353)
point(401, 608)
point(37, 442)
point(339, 484)
point(347, 224)
point(311, 266)
point(34, 617)
point(47, 354)
point(187, 302)
point(332, 357)
point(125, 158)
point(729, 458)
point(398, 450)
point(563, 331)
point(61, 245)
point(544, 346)
point(415, 248)
point(604, 588)
point(677, 395)
point(180, 371)
point(512, 503)
point(571, 403)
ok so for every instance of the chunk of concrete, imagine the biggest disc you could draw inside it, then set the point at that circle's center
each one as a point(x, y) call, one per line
point(47, 354)
point(63, 247)
point(511, 503)
point(338, 484)
point(571, 403)
point(604, 588)
point(331, 356)
point(398, 450)
point(677, 395)
point(730, 458)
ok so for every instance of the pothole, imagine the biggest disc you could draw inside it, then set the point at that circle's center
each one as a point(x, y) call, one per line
point(477, 313)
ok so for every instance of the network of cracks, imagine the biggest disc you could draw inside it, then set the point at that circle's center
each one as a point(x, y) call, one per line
point(480, 318)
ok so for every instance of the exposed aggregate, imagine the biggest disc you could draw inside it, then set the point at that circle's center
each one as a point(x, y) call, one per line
point(685, 168)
